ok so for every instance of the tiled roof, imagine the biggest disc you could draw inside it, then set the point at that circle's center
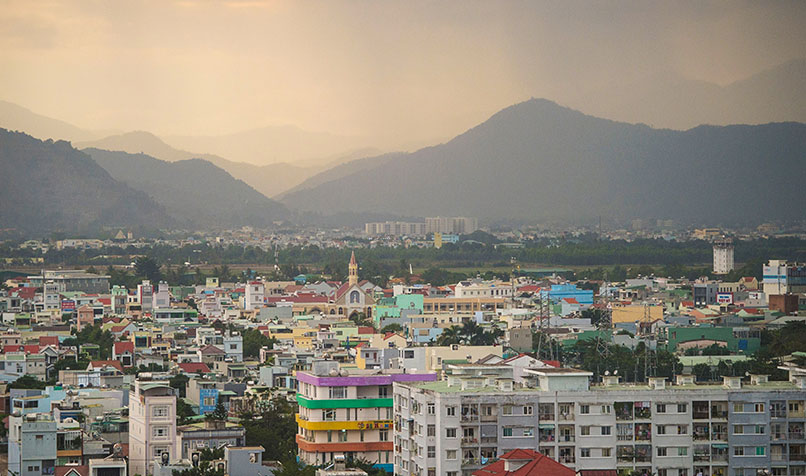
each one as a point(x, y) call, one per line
point(535, 464)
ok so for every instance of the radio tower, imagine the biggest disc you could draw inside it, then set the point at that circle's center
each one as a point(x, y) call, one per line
point(650, 358)
point(603, 327)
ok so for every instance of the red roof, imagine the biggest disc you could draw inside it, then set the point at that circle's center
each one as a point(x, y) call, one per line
point(688, 303)
point(98, 364)
point(24, 293)
point(366, 330)
point(195, 368)
point(121, 347)
point(48, 340)
point(598, 472)
point(533, 464)
point(105, 301)
point(529, 288)
point(31, 349)
point(82, 470)
point(571, 300)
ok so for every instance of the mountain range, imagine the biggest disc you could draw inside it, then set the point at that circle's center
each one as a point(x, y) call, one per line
point(193, 190)
point(537, 161)
point(50, 186)
point(668, 100)
point(269, 179)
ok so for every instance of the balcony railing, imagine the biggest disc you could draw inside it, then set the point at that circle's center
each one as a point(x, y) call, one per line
point(567, 460)
point(546, 417)
point(702, 457)
point(797, 457)
point(566, 438)
point(489, 418)
point(469, 440)
point(795, 435)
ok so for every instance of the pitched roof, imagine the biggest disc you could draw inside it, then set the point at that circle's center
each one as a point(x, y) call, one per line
point(536, 464)
point(49, 340)
point(194, 367)
point(83, 470)
point(211, 349)
point(121, 347)
point(99, 364)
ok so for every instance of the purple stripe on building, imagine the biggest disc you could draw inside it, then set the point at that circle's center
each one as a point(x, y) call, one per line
point(359, 381)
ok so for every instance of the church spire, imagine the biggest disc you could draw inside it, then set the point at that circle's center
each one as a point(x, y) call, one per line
point(353, 268)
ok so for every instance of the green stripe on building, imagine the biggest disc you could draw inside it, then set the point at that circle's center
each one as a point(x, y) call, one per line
point(345, 403)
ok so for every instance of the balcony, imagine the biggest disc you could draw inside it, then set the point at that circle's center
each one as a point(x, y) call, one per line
point(796, 435)
point(568, 459)
point(797, 457)
point(470, 462)
point(566, 439)
point(489, 440)
point(469, 441)
point(546, 417)
point(702, 457)
point(489, 418)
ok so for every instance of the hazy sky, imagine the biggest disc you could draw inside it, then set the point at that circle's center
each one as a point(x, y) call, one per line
point(394, 71)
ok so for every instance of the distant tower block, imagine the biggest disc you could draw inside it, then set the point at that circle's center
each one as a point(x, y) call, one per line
point(723, 256)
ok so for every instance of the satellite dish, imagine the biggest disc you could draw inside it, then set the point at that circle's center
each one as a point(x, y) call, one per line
point(607, 372)
point(165, 457)
point(615, 372)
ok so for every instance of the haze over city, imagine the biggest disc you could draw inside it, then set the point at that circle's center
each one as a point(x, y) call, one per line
point(389, 75)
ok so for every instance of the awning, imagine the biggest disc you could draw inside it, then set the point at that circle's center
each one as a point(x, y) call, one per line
point(546, 426)
point(721, 446)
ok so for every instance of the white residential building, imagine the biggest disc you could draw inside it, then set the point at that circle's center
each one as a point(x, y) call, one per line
point(477, 413)
point(152, 424)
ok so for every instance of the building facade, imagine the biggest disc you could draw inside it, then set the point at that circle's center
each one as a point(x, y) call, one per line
point(454, 426)
point(723, 256)
point(348, 414)
point(152, 425)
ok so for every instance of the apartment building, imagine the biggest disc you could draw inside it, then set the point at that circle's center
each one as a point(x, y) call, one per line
point(31, 444)
point(152, 424)
point(476, 413)
point(348, 412)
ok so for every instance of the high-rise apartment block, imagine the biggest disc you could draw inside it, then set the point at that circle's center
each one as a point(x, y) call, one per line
point(723, 256)
point(451, 225)
point(454, 426)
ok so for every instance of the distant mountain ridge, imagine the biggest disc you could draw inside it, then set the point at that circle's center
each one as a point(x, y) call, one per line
point(671, 101)
point(50, 186)
point(537, 160)
point(193, 189)
point(270, 180)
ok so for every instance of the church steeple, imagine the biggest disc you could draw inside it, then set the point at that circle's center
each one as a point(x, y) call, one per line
point(353, 271)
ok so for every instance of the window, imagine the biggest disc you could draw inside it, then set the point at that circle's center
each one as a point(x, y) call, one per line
point(585, 453)
point(660, 408)
point(682, 451)
point(338, 392)
point(761, 450)
point(682, 429)
point(605, 430)
point(605, 452)
point(606, 409)
point(432, 430)
point(661, 451)
point(233, 346)
point(330, 415)
point(661, 429)
point(529, 432)
point(160, 431)
point(758, 408)
point(450, 432)
point(383, 392)
point(209, 401)
point(40, 437)
point(383, 435)
point(450, 454)
point(160, 411)
point(507, 431)
point(528, 410)
point(343, 436)
point(432, 451)
point(584, 409)
point(682, 408)
point(584, 430)
point(408, 354)
point(507, 410)
point(431, 409)
point(450, 411)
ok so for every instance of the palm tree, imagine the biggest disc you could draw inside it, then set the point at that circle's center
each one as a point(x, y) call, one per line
point(450, 336)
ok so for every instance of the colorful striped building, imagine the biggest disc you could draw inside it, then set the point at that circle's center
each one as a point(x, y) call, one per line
point(348, 412)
